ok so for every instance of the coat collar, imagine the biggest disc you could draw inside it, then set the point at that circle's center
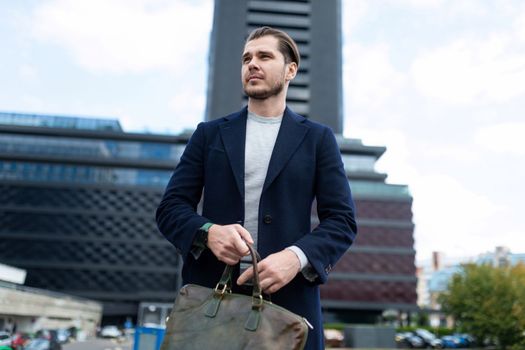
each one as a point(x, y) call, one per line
point(233, 133)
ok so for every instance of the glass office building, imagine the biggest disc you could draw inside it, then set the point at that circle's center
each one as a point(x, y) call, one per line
point(77, 206)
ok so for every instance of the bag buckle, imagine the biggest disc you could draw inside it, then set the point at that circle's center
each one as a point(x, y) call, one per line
point(257, 301)
point(223, 289)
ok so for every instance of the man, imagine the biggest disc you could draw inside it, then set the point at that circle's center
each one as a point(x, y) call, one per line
point(261, 169)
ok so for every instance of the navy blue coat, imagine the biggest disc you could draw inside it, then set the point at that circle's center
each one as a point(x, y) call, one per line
point(305, 164)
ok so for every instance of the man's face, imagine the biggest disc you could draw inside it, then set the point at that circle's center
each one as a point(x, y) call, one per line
point(264, 71)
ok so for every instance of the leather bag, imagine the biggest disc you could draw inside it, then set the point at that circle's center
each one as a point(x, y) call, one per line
point(206, 318)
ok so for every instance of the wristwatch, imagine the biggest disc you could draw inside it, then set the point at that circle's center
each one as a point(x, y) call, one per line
point(202, 235)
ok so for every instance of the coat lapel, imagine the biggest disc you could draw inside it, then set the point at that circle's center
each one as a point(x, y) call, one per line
point(291, 134)
point(233, 133)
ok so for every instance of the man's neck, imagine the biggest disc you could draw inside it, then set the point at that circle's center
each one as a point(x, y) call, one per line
point(269, 107)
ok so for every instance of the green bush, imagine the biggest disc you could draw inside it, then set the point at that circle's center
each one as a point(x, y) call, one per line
point(337, 326)
point(489, 303)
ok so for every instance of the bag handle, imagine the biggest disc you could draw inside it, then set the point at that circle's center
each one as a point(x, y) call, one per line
point(225, 283)
point(224, 286)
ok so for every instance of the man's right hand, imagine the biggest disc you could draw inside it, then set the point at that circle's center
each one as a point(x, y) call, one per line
point(227, 242)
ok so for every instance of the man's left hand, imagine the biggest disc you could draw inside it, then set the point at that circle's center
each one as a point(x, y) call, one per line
point(275, 271)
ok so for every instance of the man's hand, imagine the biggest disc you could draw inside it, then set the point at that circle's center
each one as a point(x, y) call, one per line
point(275, 271)
point(227, 242)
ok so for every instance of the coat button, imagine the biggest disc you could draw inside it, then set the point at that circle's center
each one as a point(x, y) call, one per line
point(267, 219)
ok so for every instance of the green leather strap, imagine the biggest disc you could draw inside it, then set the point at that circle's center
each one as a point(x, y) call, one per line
point(252, 322)
point(226, 279)
point(206, 226)
point(213, 306)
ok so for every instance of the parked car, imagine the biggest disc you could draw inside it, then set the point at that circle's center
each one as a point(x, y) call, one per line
point(429, 338)
point(465, 340)
point(110, 332)
point(333, 338)
point(450, 342)
point(5, 339)
point(19, 340)
point(63, 335)
point(49, 334)
point(409, 340)
point(43, 344)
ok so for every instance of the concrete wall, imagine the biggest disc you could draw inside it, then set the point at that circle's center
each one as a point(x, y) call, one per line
point(32, 310)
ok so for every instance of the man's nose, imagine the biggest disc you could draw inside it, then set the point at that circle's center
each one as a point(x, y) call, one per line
point(253, 64)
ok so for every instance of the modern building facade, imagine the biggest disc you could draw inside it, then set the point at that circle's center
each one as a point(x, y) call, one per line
point(378, 272)
point(77, 203)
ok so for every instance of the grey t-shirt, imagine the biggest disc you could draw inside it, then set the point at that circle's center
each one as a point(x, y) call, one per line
point(261, 134)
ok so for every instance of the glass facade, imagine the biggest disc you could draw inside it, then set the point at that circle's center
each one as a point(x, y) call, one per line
point(69, 146)
point(359, 162)
point(43, 172)
point(73, 159)
point(51, 121)
point(59, 173)
point(374, 189)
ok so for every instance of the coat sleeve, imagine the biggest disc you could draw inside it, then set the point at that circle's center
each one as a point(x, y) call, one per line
point(337, 227)
point(177, 217)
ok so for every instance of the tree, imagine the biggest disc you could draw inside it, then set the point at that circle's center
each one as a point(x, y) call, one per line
point(488, 302)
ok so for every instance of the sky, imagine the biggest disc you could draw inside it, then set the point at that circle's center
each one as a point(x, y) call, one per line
point(440, 83)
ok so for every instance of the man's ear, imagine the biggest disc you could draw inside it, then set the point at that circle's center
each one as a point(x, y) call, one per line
point(291, 71)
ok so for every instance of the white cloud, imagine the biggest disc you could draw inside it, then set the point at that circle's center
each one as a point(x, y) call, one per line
point(461, 153)
point(186, 106)
point(507, 238)
point(126, 36)
point(451, 218)
point(449, 8)
point(504, 138)
point(27, 73)
point(369, 76)
point(431, 4)
point(185, 110)
point(519, 25)
point(395, 161)
point(353, 12)
point(472, 71)
point(468, 8)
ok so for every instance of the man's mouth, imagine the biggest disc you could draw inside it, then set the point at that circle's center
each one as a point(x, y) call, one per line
point(254, 77)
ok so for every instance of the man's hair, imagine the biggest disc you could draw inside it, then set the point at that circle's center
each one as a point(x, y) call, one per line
point(287, 45)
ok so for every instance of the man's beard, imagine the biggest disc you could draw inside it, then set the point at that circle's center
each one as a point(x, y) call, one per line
point(264, 94)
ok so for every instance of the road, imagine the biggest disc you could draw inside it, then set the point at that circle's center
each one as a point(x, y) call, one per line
point(100, 344)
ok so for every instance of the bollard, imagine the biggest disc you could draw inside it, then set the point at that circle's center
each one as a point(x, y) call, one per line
point(148, 338)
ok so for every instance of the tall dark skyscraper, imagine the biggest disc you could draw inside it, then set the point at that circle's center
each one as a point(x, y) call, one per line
point(315, 25)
